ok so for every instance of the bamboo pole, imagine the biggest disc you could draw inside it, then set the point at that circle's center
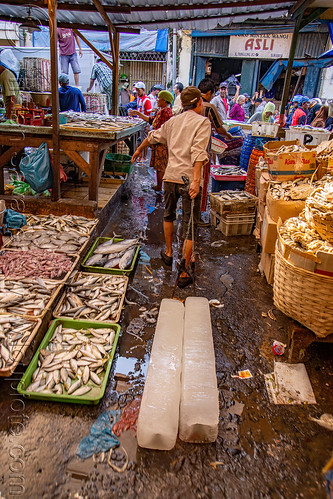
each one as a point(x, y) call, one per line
point(52, 7)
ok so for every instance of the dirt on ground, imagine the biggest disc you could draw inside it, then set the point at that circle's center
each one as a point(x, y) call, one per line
point(262, 450)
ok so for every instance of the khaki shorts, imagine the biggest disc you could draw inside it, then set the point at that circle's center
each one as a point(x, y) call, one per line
point(172, 193)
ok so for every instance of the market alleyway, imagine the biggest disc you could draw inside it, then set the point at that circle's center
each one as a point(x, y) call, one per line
point(262, 451)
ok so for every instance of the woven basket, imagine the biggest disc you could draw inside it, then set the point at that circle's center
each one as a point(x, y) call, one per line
point(304, 296)
point(321, 222)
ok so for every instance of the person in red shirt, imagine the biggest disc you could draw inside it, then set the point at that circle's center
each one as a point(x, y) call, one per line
point(143, 106)
point(68, 56)
point(301, 113)
point(159, 152)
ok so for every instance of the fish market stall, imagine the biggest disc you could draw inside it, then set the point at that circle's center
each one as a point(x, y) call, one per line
point(88, 132)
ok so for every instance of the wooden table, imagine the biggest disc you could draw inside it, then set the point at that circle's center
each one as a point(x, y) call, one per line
point(13, 139)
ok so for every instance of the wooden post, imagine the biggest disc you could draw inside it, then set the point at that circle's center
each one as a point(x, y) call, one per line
point(52, 5)
point(115, 78)
point(94, 49)
point(287, 77)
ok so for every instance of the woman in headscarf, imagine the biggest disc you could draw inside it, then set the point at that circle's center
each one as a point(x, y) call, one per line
point(237, 112)
point(321, 117)
point(159, 152)
point(267, 114)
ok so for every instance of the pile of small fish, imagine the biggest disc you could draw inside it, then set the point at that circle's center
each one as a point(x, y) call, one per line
point(65, 223)
point(110, 255)
point(34, 263)
point(94, 297)
point(25, 296)
point(14, 333)
point(73, 362)
point(100, 121)
point(291, 149)
point(297, 233)
point(227, 170)
point(69, 242)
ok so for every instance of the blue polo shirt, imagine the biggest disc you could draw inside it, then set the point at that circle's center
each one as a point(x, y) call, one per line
point(71, 98)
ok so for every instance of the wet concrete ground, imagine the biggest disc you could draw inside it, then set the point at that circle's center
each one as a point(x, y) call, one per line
point(262, 450)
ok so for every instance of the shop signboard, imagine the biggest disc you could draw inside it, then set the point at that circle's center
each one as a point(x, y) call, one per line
point(264, 46)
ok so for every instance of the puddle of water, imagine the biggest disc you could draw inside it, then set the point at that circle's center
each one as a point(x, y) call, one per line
point(129, 365)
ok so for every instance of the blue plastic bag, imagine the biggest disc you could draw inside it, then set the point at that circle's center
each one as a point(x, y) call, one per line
point(13, 220)
point(37, 169)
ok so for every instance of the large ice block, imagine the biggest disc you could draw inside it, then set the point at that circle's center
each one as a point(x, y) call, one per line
point(199, 404)
point(158, 419)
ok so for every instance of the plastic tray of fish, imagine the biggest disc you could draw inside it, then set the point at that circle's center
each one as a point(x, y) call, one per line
point(73, 362)
point(30, 297)
point(16, 334)
point(97, 297)
point(36, 263)
point(62, 224)
point(70, 242)
point(108, 262)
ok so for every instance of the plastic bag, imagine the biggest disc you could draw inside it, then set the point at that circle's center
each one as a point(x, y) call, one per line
point(37, 169)
point(9, 61)
point(22, 188)
point(14, 220)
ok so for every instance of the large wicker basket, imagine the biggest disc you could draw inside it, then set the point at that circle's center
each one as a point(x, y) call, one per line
point(322, 222)
point(304, 296)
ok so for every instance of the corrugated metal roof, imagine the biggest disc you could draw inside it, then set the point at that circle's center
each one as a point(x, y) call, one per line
point(151, 14)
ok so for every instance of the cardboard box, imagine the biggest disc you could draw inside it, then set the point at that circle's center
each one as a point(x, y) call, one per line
point(263, 186)
point(268, 234)
point(289, 166)
point(267, 262)
point(258, 227)
point(278, 208)
point(261, 209)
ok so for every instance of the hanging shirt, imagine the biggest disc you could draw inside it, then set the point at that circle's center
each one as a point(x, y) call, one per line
point(144, 105)
point(66, 41)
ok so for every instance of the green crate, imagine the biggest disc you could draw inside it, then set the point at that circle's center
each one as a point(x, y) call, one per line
point(102, 270)
point(97, 392)
point(120, 163)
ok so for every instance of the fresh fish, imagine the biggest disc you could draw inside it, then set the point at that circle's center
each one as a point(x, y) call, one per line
point(81, 391)
point(97, 260)
point(112, 263)
point(107, 248)
point(99, 296)
point(74, 361)
point(127, 258)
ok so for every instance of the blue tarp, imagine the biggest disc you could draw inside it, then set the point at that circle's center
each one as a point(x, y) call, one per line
point(276, 68)
point(146, 41)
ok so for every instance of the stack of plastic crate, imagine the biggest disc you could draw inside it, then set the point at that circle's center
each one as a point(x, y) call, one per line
point(233, 212)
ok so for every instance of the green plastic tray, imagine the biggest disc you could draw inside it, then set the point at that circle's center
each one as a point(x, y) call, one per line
point(102, 270)
point(97, 392)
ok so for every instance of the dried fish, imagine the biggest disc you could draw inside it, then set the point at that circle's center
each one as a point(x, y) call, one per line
point(297, 233)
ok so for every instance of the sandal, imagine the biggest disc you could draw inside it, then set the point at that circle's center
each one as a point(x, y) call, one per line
point(166, 259)
point(185, 281)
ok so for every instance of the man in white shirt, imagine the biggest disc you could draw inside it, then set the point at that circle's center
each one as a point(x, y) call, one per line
point(221, 101)
point(187, 155)
point(177, 105)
